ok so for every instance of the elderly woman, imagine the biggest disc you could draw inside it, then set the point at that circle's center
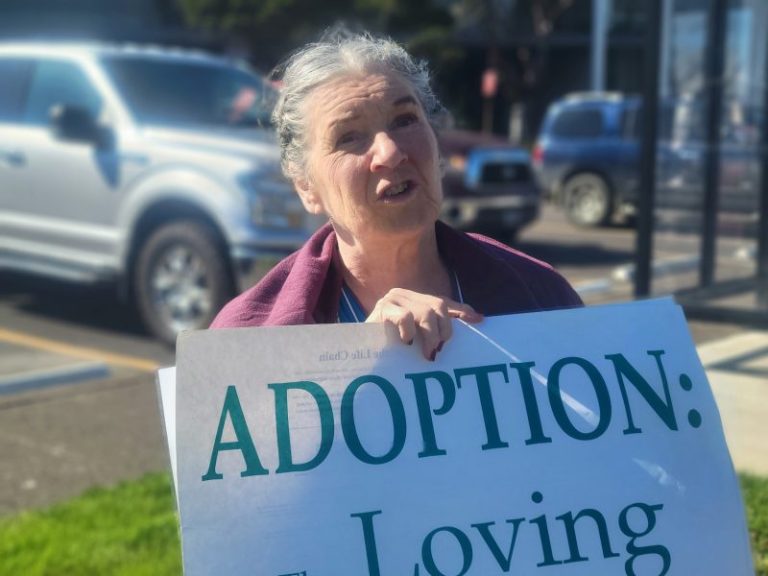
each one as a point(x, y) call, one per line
point(356, 121)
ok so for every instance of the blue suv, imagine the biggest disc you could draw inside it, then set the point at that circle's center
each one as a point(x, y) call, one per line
point(586, 156)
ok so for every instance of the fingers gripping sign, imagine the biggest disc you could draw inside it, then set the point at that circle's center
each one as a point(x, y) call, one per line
point(421, 317)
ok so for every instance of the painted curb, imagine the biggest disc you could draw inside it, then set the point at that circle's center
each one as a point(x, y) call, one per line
point(37, 379)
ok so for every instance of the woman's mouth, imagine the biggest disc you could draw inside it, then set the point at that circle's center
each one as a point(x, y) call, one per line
point(397, 191)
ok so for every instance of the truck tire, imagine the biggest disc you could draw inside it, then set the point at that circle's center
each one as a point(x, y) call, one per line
point(587, 200)
point(181, 279)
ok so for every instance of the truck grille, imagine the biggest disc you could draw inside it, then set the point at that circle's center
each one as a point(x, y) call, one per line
point(505, 173)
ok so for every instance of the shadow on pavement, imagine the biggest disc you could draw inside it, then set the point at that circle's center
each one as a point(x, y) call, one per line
point(560, 254)
point(93, 306)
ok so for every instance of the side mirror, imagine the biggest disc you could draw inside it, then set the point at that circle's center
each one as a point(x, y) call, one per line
point(76, 124)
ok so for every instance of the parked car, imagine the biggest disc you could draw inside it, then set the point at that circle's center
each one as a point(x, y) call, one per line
point(586, 156)
point(587, 159)
point(152, 168)
point(489, 185)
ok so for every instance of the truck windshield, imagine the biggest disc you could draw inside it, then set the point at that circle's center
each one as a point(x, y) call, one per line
point(176, 93)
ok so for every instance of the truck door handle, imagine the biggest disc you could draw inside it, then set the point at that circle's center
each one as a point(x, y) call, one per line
point(13, 157)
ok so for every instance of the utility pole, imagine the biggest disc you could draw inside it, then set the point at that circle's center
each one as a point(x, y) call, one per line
point(715, 71)
point(601, 20)
point(647, 199)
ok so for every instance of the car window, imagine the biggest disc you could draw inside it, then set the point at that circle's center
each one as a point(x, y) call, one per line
point(168, 92)
point(14, 81)
point(582, 123)
point(57, 83)
point(631, 123)
point(665, 129)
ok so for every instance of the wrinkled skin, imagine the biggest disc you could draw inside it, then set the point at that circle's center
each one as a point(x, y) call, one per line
point(373, 168)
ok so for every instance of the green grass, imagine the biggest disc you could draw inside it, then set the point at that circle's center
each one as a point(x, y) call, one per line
point(754, 490)
point(131, 530)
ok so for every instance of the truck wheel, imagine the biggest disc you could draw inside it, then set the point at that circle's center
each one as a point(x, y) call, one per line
point(587, 200)
point(181, 279)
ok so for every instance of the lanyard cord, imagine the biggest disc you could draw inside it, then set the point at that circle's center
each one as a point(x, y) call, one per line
point(348, 301)
point(352, 306)
point(459, 294)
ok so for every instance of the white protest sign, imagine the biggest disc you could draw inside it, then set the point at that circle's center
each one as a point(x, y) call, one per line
point(577, 442)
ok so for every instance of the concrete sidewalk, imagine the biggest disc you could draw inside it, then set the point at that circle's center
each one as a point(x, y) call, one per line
point(737, 369)
point(57, 442)
point(66, 435)
point(71, 420)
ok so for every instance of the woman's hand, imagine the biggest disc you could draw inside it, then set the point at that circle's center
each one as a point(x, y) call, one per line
point(428, 317)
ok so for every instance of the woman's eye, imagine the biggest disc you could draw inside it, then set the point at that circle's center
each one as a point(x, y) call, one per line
point(404, 120)
point(346, 138)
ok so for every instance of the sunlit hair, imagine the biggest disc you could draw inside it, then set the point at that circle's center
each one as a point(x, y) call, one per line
point(321, 62)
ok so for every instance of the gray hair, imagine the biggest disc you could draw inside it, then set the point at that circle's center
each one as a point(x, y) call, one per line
point(321, 62)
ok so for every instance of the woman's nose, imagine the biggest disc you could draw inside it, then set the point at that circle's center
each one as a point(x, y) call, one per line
point(386, 152)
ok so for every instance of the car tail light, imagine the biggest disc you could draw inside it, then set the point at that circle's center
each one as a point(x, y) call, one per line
point(538, 155)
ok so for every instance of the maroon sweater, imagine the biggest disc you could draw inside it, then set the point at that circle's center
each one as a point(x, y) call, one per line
point(305, 287)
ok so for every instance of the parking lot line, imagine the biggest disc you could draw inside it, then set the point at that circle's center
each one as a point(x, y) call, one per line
point(132, 362)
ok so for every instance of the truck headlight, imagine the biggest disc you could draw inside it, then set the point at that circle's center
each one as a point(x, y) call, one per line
point(273, 203)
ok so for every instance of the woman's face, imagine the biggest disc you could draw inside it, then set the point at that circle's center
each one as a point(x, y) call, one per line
point(372, 158)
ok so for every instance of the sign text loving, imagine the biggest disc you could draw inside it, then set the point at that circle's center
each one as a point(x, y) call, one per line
point(573, 442)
